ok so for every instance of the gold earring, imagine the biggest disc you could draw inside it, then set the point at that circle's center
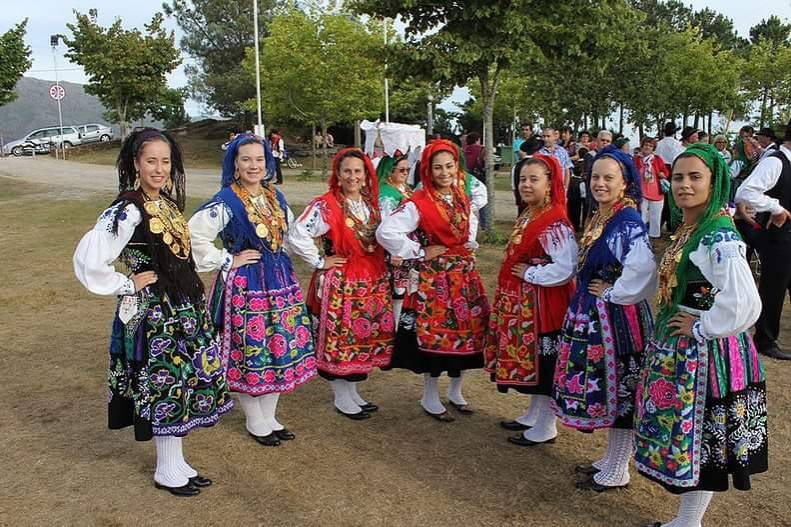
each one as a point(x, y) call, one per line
point(136, 184)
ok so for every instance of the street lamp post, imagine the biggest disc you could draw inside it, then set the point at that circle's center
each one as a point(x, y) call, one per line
point(260, 128)
point(53, 41)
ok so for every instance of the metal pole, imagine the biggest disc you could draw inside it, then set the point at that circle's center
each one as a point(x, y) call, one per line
point(387, 91)
point(257, 70)
point(60, 114)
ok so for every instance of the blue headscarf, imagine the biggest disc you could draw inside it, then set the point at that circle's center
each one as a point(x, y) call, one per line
point(634, 187)
point(228, 163)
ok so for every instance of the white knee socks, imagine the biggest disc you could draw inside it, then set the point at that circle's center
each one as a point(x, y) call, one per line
point(169, 471)
point(254, 418)
point(529, 417)
point(430, 401)
point(454, 389)
point(398, 304)
point(343, 397)
point(544, 427)
point(601, 463)
point(616, 472)
point(691, 509)
point(358, 400)
point(268, 405)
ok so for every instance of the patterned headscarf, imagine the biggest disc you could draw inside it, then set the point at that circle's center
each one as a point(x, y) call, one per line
point(634, 187)
point(229, 161)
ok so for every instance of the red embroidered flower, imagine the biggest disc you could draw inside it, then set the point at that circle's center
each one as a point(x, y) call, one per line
point(288, 375)
point(302, 337)
point(663, 394)
point(238, 320)
point(252, 378)
point(234, 374)
point(277, 344)
point(259, 304)
point(237, 301)
point(255, 327)
point(240, 281)
point(236, 355)
point(461, 309)
point(596, 353)
point(597, 410)
point(361, 328)
point(387, 322)
point(269, 376)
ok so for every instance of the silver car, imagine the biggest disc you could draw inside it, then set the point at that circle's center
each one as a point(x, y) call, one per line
point(94, 133)
point(44, 137)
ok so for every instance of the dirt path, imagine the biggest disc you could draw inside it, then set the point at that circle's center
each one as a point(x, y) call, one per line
point(73, 180)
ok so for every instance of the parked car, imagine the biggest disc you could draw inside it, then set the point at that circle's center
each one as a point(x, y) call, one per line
point(93, 133)
point(44, 137)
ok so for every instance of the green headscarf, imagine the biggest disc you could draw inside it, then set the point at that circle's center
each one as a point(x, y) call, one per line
point(383, 171)
point(712, 220)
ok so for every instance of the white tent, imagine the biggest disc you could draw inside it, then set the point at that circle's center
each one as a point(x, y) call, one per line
point(392, 137)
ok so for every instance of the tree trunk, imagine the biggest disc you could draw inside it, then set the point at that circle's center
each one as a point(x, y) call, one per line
point(696, 121)
point(763, 107)
point(488, 93)
point(641, 131)
point(324, 127)
point(603, 122)
point(620, 119)
point(357, 136)
point(711, 117)
point(313, 143)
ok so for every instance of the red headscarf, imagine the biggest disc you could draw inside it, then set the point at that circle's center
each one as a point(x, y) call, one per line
point(431, 206)
point(343, 237)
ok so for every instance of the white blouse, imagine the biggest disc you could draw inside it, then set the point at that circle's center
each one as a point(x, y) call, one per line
point(638, 277)
point(205, 225)
point(559, 243)
point(737, 304)
point(309, 226)
point(99, 248)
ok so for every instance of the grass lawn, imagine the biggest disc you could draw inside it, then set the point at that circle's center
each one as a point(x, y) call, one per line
point(62, 466)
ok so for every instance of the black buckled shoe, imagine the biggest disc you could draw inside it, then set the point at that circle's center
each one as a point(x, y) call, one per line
point(445, 417)
point(267, 440)
point(284, 434)
point(514, 426)
point(521, 440)
point(359, 416)
point(464, 409)
point(185, 491)
point(586, 470)
point(369, 407)
point(590, 484)
point(200, 481)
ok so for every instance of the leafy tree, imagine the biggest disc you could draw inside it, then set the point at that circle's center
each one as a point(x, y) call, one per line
point(217, 34)
point(773, 30)
point(126, 68)
point(481, 40)
point(14, 60)
point(169, 107)
point(319, 69)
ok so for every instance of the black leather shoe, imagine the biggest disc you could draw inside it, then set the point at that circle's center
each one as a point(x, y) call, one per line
point(462, 408)
point(200, 481)
point(359, 416)
point(185, 491)
point(523, 441)
point(369, 407)
point(267, 440)
point(587, 470)
point(655, 524)
point(775, 352)
point(284, 435)
point(514, 426)
point(590, 484)
point(445, 417)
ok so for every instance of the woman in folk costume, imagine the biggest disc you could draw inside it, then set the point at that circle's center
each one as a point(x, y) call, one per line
point(259, 309)
point(701, 400)
point(534, 287)
point(443, 327)
point(392, 173)
point(608, 321)
point(349, 295)
point(165, 375)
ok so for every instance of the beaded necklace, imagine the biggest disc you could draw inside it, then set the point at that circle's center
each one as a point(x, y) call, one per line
point(264, 212)
point(670, 260)
point(452, 211)
point(165, 219)
point(524, 219)
point(361, 222)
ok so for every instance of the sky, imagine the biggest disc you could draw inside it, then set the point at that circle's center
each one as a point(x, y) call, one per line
point(51, 16)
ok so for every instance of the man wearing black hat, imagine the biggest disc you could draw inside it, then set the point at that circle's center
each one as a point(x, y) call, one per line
point(767, 190)
point(689, 136)
point(766, 138)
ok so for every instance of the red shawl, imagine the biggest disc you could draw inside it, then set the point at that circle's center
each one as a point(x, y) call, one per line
point(361, 263)
point(428, 202)
point(552, 301)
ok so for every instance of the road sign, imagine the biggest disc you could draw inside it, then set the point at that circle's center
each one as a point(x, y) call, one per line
point(57, 92)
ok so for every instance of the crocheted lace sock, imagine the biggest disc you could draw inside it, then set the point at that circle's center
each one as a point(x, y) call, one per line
point(398, 304)
point(691, 509)
point(454, 389)
point(355, 395)
point(616, 472)
point(254, 417)
point(545, 424)
point(343, 397)
point(601, 463)
point(430, 401)
point(169, 458)
point(268, 405)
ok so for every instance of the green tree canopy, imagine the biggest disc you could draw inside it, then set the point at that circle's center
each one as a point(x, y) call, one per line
point(126, 68)
point(217, 34)
point(14, 60)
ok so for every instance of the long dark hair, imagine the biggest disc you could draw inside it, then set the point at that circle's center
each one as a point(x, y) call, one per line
point(130, 151)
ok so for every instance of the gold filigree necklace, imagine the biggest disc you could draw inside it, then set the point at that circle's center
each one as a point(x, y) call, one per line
point(264, 212)
point(165, 219)
point(670, 260)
